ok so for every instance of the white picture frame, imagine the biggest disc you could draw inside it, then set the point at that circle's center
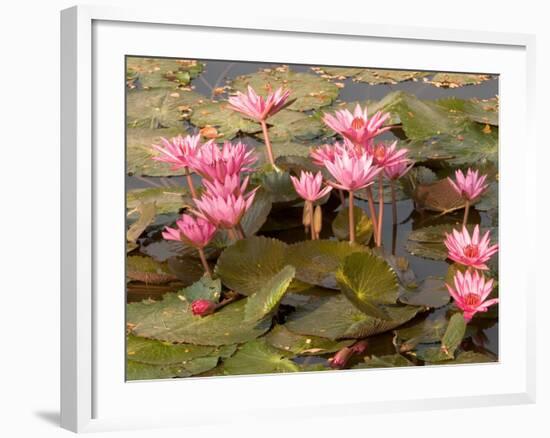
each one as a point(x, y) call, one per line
point(93, 396)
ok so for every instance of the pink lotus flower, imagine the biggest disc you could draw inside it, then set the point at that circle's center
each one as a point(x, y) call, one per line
point(196, 232)
point(357, 127)
point(231, 185)
point(255, 106)
point(203, 307)
point(178, 150)
point(469, 186)
point(309, 186)
point(214, 163)
point(224, 212)
point(470, 292)
point(387, 156)
point(470, 251)
point(398, 170)
point(353, 172)
point(328, 152)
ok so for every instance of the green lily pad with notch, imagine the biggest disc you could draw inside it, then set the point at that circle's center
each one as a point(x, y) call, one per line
point(316, 261)
point(335, 318)
point(148, 270)
point(162, 72)
point(456, 80)
point(258, 357)
point(228, 122)
point(387, 361)
point(206, 288)
point(477, 110)
point(431, 293)
point(449, 342)
point(171, 319)
point(283, 339)
point(427, 242)
point(429, 330)
point(267, 299)
point(308, 91)
point(166, 199)
point(248, 264)
point(363, 225)
point(368, 281)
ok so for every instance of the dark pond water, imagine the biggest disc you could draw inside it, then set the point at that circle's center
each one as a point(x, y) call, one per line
point(217, 73)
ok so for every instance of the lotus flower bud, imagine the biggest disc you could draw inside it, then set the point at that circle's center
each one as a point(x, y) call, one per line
point(318, 220)
point(341, 358)
point(203, 307)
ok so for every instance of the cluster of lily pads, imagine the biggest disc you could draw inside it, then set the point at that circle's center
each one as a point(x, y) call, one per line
point(233, 299)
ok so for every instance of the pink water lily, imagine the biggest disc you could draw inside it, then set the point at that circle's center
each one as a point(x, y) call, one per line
point(224, 212)
point(470, 250)
point(231, 185)
point(309, 186)
point(328, 152)
point(177, 150)
point(469, 186)
point(352, 171)
point(357, 127)
point(196, 232)
point(398, 170)
point(257, 107)
point(470, 293)
point(213, 163)
point(387, 155)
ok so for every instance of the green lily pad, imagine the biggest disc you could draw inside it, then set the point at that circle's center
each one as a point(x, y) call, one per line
point(368, 281)
point(172, 320)
point(376, 76)
point(248, 264)
point(387, 361)
point(166, 200)
point(456, 80)
point(489, 199)
point(363, 225)
point(187, 269)
point(147, 213)
point(161, 72)
point(206, 288)
point(439, 196)
point(257, 214)
point(336, 318)
point(281, 149)
point(283, 339)
point(258, 357)
point(163, 353)
point(466, 357)
point(338, 72)
point(400, 195)
point(227, 122)
point(449, 343)
point(427, 242)
point(308, 91)
point(431, 293)
point(295, 164)
point(402, 269)
point(481, 111)
point(148, 270)
point(287, 125)
point(316, 261)
point(267, 299)
point(430, 330)
point(279, 186)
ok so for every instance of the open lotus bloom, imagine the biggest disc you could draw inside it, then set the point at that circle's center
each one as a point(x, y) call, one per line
point(224, 212)
point(309, 186)
point(398, 170)
point(255, 106)
point(469, 186)
point(178, 150)
point(231, 185)
point(357, 127)
point(470, 293)
point(197, 232)
point(328, 152)
point(352, 171)
point(470, 250)
point(387, 155)
point(213, 163)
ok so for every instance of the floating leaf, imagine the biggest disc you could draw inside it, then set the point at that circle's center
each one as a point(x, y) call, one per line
point(431, 293)
point(388, 361)
point(336, 318)
point(316, 261)
point(265, 300)
point(281, 149)
point(283, 339)
point(163, 353)
point(287, 125)
point(258, 357)
point(481, 111)
point(295, 164)
point(307, 91)
point(386, 192)
point(187, 269)
point(339, 72)
point(456, 80)
point(363, 225)
point(376, 76)
point(368, 281)
point(147, 213)
point(427, 331)
point(279, 186)
point(161, 72)
point(449, 343)
point(166, 200)
point(257, 214)
point(402, 269)
point(206, 288)
point(466, 357)
point(147, 270)
point(248, 264)
point(438, 196)
point(427, 242)
point(172, 320)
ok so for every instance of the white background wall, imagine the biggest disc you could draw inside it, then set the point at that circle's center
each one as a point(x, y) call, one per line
point(29, 218)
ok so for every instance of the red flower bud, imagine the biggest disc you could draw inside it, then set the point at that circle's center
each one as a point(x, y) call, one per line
point(203, 307)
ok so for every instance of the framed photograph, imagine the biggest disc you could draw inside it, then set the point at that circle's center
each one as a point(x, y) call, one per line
point(332, 214)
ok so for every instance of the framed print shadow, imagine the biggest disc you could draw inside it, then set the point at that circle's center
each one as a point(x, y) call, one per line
point(299, 217)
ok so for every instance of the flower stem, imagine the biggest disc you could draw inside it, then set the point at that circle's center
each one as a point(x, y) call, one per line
point(204, 262)
point(351, 218)
point(190, 183)
point(372, 213)
point(393, 201)
point(240, 231)
point(466, 212)
point(380, 209)
point(268, 144)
